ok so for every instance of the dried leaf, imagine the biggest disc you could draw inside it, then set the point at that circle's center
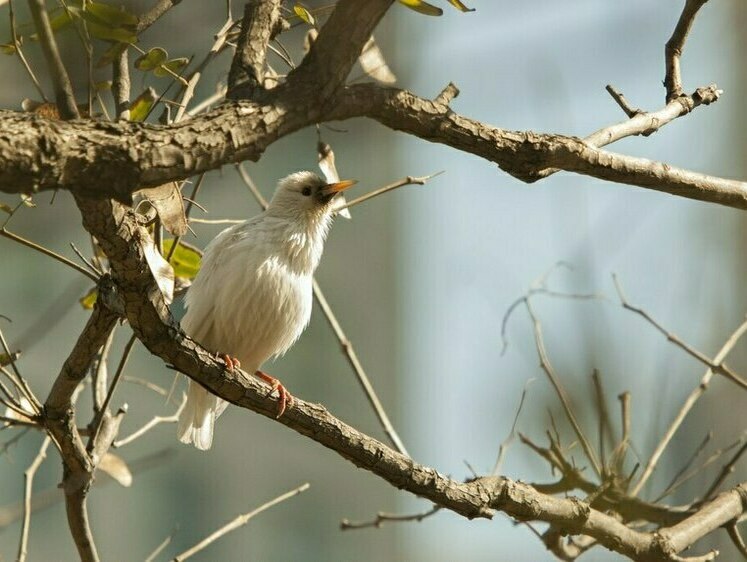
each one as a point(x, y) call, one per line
point(309, 39)
point(162, 271)
point(89, 299)
point(329, 171)
point(7, 48)
point(117, 468)
point(304, 14)
point(422, 7)
point(141, 105)
point(186, 259)
point(152, 59)
point(27, 200)
point(373, 63)
point(461, 7)
point(103, 85)
point(167, 200)
point(6, 208)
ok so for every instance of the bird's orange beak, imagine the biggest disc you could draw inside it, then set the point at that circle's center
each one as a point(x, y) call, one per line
point(340, 186)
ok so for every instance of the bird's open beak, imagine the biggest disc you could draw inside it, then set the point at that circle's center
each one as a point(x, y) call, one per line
point(329, 191)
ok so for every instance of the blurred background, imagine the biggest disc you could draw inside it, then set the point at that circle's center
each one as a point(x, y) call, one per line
point(421, 279)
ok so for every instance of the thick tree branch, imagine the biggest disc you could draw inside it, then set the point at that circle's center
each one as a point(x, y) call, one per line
point(115, 159)
point(246, 77)
point(338, 46)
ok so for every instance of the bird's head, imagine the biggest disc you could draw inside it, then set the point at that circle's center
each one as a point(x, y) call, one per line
point(307, 193)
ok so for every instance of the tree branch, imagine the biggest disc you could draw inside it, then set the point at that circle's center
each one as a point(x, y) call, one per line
point(675, 45)
point(246, 77)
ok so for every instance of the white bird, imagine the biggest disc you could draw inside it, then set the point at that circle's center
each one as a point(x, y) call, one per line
point(252, 297)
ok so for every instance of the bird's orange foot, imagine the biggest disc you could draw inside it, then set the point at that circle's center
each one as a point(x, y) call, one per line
point(231, 362)
point(284, 397)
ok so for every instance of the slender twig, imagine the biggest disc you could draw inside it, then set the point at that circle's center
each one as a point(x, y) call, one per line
point(151, 424)
point(352, 356)
point(99, 374)
point(63, 88)
point(381, 517)
point(690, 401)
point(560, 391)
point(19, 382)
point(725, 472)
point(618, 455)
point(29, 477)
point(511, 434)
point(345, 343)
point(46, 251)
point(151, 16)
point(159, 549)
point(115, 381)
point(21, 56)
point(190, 203)
point(675, 45)
point(603, 415)
point(85, 261)
point(717, 366)
point(13, 440)
point(217, 221)
point(619, 98)
point(145, 383)
point(240, 521)
point(737, 539)
point(693, 457)
point(408, 180)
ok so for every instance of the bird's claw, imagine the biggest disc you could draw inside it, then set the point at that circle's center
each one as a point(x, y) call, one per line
point(285, 399)
point(231, 362)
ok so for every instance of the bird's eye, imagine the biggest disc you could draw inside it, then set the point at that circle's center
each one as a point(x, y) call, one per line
point(306, 191)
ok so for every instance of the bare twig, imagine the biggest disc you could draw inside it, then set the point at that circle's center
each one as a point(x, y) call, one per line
point(21, 56)
point(622, 102)
point(675, 45)
point(20, 383)
point(603, 415)
point(717, 366)
point(151, 424)
point(737, 539)
point(121, 85)
point(156, 12)
point(29, 477)
point(159, 549)
point(560, 391)
point(408, 180)
point(86, 262)
point(506, 443)
point(381, 517)
point(63, 88)
point(46, 251)
point(726, 471)
point(240, 521)
point(690, 401)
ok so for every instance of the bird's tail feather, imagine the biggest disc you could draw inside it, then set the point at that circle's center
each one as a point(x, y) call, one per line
point(197, 420)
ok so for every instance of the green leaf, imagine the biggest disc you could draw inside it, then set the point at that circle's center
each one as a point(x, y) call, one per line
point(422, 7)
point(89, 299)
point(112, 16)
point(105, 33)
point(151, 60)
point(461, 7)
point(141, 106)
point(186, 260)
point(111, 54)
point(304, 14)
point(174, 65)
point(59, 19)
point(103, 85)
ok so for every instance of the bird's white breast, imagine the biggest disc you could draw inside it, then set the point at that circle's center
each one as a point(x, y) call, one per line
point(249, 300)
